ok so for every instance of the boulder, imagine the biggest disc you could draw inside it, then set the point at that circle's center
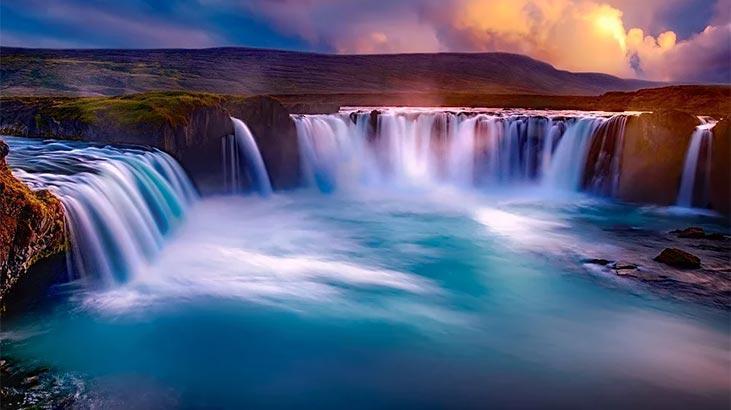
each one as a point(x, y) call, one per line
point(720, 189)
point(692, 232)
point(653, 155)
point(695, 232)
point(678, 258)
point(32, 230)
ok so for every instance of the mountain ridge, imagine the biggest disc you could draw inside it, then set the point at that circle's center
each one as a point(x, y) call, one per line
point(240, 70)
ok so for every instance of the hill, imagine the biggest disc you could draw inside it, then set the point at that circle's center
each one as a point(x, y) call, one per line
point(258, 71)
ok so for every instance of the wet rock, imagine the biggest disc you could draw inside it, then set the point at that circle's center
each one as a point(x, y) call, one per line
point(692, 232)
point(678, 258)
point(623, 266)
point(653, 156)
point(695, 232)
point(720, 178)
point(32, 229)
point(275, 134)
point(597, 261)
point(31, 381)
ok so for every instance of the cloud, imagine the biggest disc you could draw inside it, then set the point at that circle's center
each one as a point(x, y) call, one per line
point(705, 57)
point(672, 40)
point(575, 35)
point(98, 25)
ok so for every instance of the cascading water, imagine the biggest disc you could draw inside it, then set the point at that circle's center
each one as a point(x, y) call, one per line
point(464, 148)
point(243, 165)
point(119, 203)
point(604, 159)
point(696, 166)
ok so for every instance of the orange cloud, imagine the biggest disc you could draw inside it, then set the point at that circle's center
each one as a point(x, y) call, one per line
point(576, 35)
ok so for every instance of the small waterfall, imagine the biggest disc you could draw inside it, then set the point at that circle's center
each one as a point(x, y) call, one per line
point(569, 160)
point(120, 204)
point(466, 149)
point(243, 165)
point(696, 167)
point(604, 159)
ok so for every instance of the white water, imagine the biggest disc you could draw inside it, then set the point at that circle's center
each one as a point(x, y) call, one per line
point(120, 204)
point(698, 154)
point(242, 162)
point(462, 148)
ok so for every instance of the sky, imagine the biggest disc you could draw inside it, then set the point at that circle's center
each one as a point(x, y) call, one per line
point(665, 40)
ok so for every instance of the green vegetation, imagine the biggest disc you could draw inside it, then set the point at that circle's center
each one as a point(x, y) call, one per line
point(154, 108)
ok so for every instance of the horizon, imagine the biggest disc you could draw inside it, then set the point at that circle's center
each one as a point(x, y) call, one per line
point(666, 41)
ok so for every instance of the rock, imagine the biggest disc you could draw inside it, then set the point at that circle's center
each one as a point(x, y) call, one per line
point(625, 272)
point(693, 232)
point(32, 230)
point(623, 266)
point(720, 190)
point(678, 258)
point(276, 136)
point(597, 261)
point(31, 381)
point(653, 155)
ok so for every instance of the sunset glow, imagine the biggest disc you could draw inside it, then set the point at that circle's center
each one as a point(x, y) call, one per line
point(674, 40)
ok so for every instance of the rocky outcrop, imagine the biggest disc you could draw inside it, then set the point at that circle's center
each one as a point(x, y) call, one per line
point(678, 258)
point(275, 135)
point(653, 155)
point(720, 189)
point(31, 229)
point(187, 126)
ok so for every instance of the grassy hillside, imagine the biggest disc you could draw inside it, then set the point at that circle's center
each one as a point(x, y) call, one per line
point(254, 71)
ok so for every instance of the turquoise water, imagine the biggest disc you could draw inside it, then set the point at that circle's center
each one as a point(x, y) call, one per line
point(388, 298)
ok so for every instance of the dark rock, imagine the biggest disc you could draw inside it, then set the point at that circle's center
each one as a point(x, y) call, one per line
point(276, 136)
point(32, 229)
point(653, 156)
point(693, 232)
point(623, 266)
point(720, 178)
point(678, 258)
point(597, 261)
point(31, 381)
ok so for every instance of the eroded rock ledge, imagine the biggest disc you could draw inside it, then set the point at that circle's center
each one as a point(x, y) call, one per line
point(189, 126)
point(32, 228)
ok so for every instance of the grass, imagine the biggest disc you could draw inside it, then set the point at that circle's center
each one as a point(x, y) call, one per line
point(153, 108)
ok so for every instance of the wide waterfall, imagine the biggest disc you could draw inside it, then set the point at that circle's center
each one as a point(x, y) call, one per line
point(697, 167)
point(461, 147)
point(120, 203)
point(243, 165)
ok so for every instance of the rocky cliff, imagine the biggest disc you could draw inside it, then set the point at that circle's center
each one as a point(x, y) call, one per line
point(31, 230)
point(275, 135)
point(653, 156)
point(188, 126)
point(720, 190)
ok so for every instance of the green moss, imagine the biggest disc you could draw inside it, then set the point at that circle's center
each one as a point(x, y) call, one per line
point(153, 108)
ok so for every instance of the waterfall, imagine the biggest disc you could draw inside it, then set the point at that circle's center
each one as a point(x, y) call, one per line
point(696, 167)
point(242, 162)
point(463, 148)
point(604, 159)
point(120, 204)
